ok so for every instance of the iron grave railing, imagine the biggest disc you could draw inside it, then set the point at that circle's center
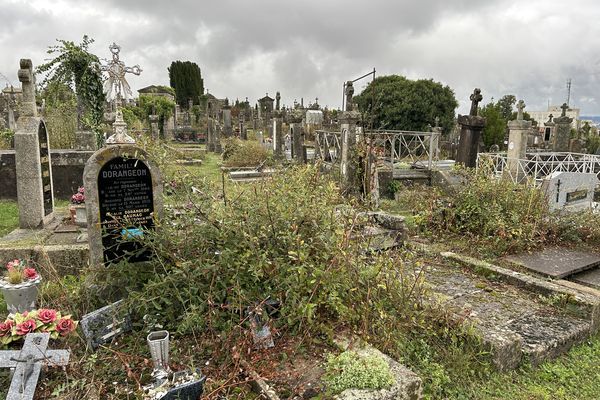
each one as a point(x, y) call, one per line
point(536, 166)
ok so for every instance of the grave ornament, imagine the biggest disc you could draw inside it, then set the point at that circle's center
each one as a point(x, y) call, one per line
point(27, 364)
point(475, 98)
point(116, 86)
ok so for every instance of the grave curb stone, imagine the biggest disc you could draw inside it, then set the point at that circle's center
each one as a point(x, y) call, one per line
point(586, 302)
point(407, 386)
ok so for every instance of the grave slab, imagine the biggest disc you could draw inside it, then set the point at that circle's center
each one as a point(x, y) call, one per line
point(556, 262)
point(588, 278)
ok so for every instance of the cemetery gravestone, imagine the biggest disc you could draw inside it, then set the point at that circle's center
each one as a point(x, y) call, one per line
point(517, 142)
point(32, 153)
point(570, 191)
point(123, 196)
point(470, 132)
point(562, 133)
point(102, 326)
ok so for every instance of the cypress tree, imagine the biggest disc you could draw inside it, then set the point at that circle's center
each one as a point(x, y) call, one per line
point(185, 77)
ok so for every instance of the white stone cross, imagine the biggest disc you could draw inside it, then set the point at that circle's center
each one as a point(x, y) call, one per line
point(520, 107)
point(27, 364)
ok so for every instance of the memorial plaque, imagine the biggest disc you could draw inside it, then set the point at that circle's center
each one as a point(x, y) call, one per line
point(577, 196)
point(45, 167)
point(126, 208)
point(102, 326)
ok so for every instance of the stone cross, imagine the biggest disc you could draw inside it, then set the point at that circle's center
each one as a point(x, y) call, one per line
point(475, 98)
point(564, 107)
point(27, 364)
point(277, 99)
point(550, 118)
point(520, 107)
point(349, 91)
point(28, 107)
point(437, 121)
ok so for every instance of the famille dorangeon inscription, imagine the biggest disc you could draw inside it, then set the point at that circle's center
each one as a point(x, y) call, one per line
point(126, 206)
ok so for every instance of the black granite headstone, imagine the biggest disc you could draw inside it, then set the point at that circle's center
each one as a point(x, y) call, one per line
point(45, 167)
point(125, 201)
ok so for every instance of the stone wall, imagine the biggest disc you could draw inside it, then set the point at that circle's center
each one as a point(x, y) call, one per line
point(67, 172)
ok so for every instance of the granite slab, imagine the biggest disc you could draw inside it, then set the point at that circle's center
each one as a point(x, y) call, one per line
point(556, 262)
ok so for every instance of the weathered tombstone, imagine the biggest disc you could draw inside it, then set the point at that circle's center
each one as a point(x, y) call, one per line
point(32, 153)
point(348, 122)
point(103, 325)
point(570, 191)
point(27, 364)
point(277, 137)
point(154, 131)
point(297, 134)
point(123, 198)
point(562, 132)
point(549, 129)
point(470, 132)
point(227, 129)
point(517, 142)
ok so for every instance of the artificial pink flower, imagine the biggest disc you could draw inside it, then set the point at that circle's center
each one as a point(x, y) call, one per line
point(46, 315)
point(6, 327)
point(26, 327)
point(30, 273)
point(65, 326)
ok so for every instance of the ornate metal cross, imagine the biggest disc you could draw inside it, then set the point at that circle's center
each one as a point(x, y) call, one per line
point(116, 76)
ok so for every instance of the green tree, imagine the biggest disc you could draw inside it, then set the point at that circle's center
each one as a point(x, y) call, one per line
point(495, 125)
point(60, 114)
point(505, 105)
point(185, 77)
point(395, 102)
point(76, 67)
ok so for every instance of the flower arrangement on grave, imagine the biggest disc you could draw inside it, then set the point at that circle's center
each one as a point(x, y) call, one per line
point(79, 197)
point(17, 272)
point(18, 325)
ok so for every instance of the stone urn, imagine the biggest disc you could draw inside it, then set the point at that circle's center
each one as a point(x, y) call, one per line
point(22, 296)
point(80, 215)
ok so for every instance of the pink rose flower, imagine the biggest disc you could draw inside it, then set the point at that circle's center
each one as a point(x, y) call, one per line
point(65, 326)
point(30, 273)
point(46, 315)
point(26, 327)
point(6, 327)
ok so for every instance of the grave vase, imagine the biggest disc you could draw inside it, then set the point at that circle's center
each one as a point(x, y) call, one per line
point(20, 297)
point(80, 215)
point(158, 342)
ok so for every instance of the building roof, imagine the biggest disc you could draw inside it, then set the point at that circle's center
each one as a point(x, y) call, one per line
point(156, 89)
point(266, 98)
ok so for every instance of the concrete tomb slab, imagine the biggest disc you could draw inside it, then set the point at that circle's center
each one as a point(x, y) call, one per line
point(556, 262)
point(588, 278)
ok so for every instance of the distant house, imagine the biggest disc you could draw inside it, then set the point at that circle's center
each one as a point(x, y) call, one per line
point(542, 116)
point(162, 91)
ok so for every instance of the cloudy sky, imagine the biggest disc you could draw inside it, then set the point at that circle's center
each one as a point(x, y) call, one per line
point(309, 48)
